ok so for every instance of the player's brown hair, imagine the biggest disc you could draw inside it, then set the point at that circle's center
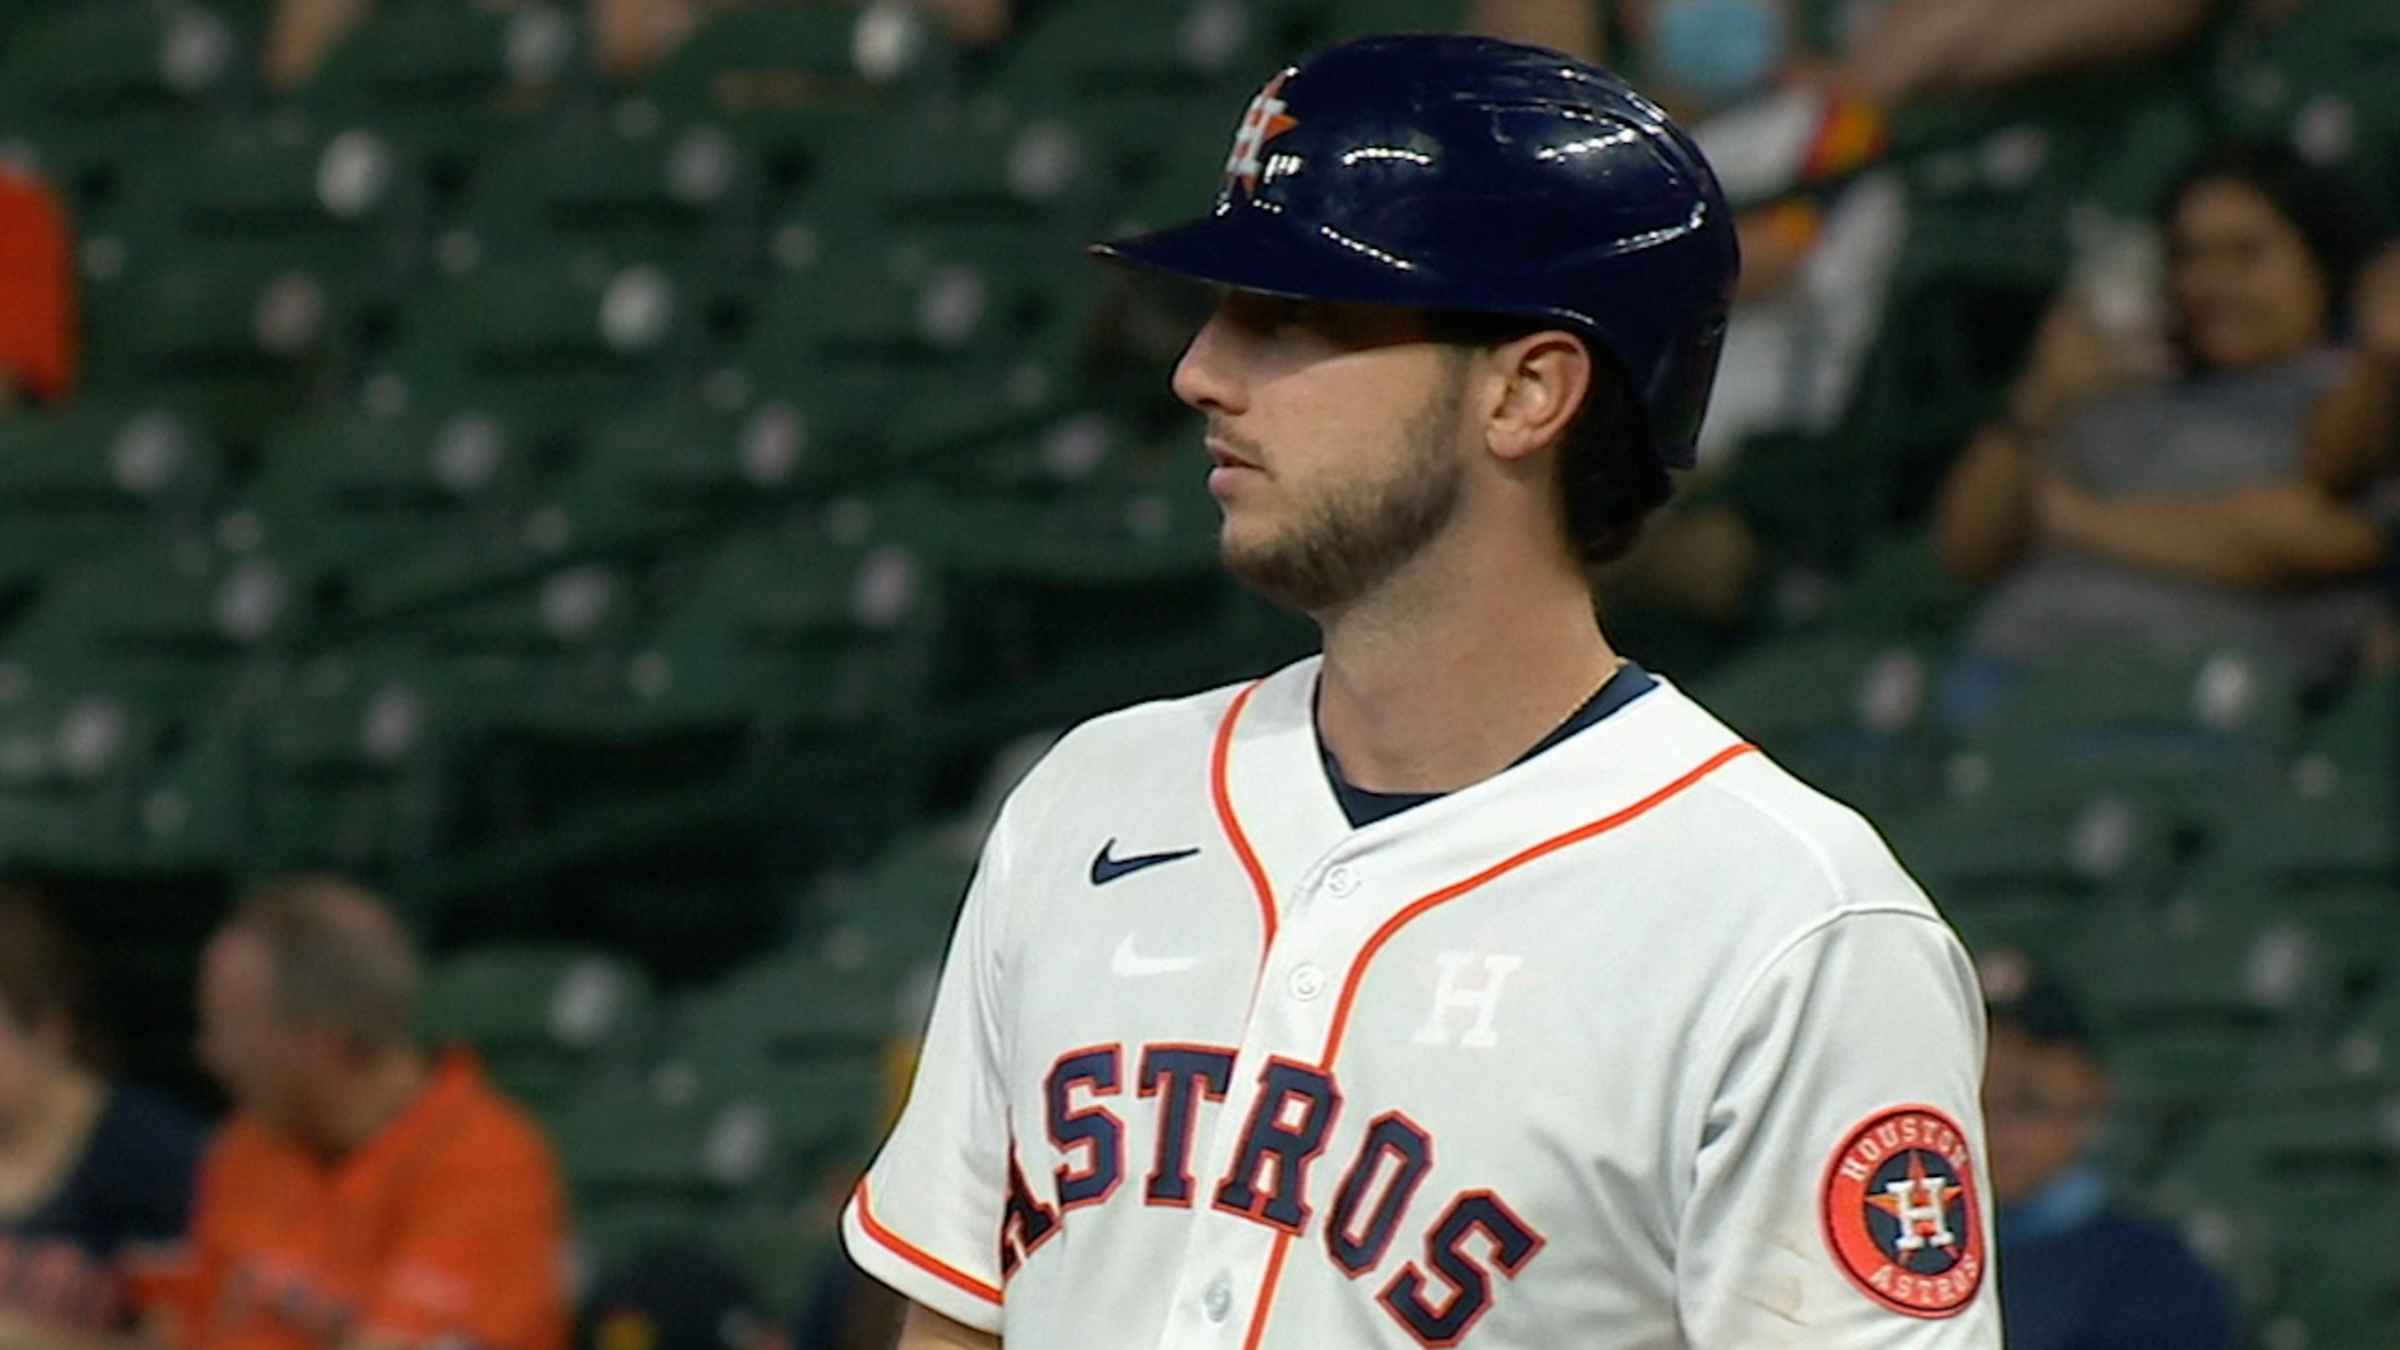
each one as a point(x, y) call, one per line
point(1609, 477)
point(340, 960)
point(41, 965)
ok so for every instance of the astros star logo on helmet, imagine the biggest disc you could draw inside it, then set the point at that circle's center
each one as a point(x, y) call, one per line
point(1265, 121)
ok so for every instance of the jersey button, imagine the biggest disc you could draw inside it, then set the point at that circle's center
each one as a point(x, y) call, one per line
point(1307, 982)
point(1341, 880)
point(1217, 1299)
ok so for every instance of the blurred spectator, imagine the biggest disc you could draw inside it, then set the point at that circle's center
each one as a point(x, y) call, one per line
point(2180, 477)
point(95, 1176)
point(1571, 26)
point(1798, 132)
point(299, 34)
point(2082, 1274)
point(1908, 48)
point(366, 1195)
point(627, 36)
point(37, 296)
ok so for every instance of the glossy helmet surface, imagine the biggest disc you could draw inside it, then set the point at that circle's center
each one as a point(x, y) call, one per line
point(1465, 173)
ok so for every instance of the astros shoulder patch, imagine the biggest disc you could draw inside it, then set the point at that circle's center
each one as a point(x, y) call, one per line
point(1902, 1212)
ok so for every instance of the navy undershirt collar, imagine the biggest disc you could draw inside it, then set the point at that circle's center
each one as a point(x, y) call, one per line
point(1364, 808)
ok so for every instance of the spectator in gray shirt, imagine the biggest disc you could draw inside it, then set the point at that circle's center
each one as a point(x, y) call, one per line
point(2206, 490)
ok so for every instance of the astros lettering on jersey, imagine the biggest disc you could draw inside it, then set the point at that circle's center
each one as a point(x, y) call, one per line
point(1639, 1044)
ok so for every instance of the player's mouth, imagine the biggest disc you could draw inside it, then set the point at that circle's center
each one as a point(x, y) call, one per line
point(1228, 467)
point(1224, 456)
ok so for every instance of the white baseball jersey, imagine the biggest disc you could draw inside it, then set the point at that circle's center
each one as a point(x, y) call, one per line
point(1639, 1044)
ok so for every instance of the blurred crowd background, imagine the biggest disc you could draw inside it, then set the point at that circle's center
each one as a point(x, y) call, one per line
point(624, 486)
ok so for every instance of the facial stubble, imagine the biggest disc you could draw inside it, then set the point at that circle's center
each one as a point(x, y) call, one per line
point(1357, 531)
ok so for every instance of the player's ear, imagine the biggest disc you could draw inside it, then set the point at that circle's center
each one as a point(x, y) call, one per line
point(1544, 378)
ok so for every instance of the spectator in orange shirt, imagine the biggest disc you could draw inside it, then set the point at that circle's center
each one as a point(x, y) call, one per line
point(367, 1195)
point(37, 294)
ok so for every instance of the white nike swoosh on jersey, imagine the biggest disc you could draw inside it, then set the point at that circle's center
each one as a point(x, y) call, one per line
point(1130, 965)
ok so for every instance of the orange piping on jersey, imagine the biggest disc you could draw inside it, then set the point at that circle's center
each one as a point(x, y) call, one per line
point(918, 1256)
point(1233, 826)
point(1266, 1291)
point(1366, 954)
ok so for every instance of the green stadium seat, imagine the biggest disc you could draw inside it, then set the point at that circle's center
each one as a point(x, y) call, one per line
point(106, 780)
point(90, 85)
point(1845, 712)
point(2194, 738)
point(618, 190)
point(2332, 816)
point(1896, 588)
point(345, 208)
point(95, 477)
point(693, 456)
point(353, 760)
point(2033, 837)
point(1111, 63)
point(2262, 1184)
point(446, 82)
point(796, 81)
point(241, 348)
point(798, 624)
point(545, 1018)
point(2317, 78)
point(801, 1006)
point(552, 345)
point(175, 616)
point(355, 488)
point(907, 898)
point(785, 1248)
point(2215, 1000)
point(1340, 19)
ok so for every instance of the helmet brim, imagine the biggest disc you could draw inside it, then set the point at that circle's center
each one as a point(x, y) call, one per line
point(1233, 251)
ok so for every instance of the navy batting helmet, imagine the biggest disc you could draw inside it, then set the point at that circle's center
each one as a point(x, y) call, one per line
point(1465, 173)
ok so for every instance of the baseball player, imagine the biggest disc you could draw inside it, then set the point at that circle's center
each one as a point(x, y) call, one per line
point(1466, 984)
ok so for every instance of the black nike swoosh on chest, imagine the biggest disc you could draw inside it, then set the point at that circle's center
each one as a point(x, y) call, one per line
point(1106, 869)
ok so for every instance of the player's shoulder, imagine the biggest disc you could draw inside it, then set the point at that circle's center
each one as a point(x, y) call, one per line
point(1162, 739)
point(1786, 844)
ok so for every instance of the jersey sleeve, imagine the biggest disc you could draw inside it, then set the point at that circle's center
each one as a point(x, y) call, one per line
point(481, 1259)
point(926, 1217)
point(1837, 1194)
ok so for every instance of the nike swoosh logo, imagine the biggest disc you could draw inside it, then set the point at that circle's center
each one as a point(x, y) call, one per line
point(1106, 869)
point(1129, 964)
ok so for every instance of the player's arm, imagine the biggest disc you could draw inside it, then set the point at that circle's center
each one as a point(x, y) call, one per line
point(1849, 1063)
point(926, 1329)
point(926, 1220)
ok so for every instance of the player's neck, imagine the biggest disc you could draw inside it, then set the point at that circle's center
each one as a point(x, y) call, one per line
point(1437, 686)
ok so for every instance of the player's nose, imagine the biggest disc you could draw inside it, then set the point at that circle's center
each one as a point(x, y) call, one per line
point(1206, 377)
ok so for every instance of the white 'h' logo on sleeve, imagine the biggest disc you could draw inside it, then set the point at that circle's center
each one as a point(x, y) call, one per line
point(1451, 992)
point(1924, 1220)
